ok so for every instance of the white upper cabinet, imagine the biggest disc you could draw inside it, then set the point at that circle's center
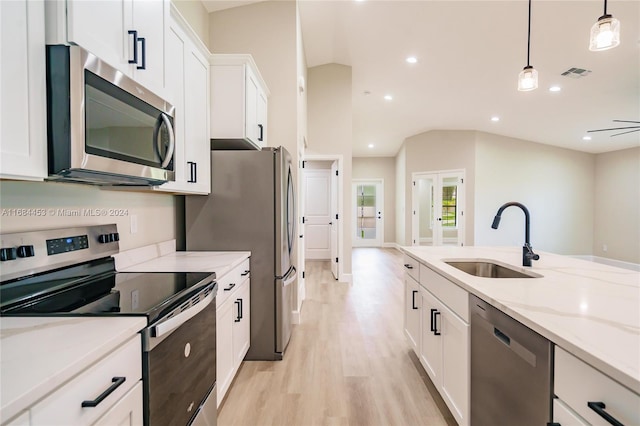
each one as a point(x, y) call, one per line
point(127, 34)
point(23, 122)
point(187, 70)
point(238, 103)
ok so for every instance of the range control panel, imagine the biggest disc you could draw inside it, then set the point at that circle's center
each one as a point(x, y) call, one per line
point(27, 253)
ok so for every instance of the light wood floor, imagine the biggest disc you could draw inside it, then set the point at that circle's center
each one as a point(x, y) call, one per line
point(347, 362)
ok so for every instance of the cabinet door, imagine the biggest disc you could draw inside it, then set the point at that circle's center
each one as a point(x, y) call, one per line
point(224, 347)
point(252, 131)
point(101, 28)
point(151, 21)
point(23, 139)
point(455, 364)
point(262, 118)
point(241, 325)
point(126, 412)
point(431, 343)
point(196, 132)
point(412, 304)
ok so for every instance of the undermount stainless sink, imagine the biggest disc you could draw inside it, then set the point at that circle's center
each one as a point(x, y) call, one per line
point(487, 269)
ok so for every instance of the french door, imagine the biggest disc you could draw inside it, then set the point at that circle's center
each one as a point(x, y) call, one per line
point(438, 208)
point(368, 221)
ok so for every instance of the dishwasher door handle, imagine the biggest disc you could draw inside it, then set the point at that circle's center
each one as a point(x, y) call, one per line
point(502, 337)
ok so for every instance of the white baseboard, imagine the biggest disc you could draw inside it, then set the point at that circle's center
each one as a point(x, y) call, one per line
point(346, 278)
point(611, 262)
point(391, 245)
point(295, 317)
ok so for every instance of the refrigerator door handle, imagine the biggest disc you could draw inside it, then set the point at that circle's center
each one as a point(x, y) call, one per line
point(290, 277)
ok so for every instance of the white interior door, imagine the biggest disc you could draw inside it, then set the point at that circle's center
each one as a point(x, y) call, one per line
point(368, 223)
point(334, 219)
point(317, 217)
point(438, 208)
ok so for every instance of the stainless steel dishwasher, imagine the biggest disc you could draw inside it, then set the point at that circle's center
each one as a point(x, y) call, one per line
point(511, 370)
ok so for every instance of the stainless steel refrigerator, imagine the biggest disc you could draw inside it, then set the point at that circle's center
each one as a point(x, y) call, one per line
point(252, 207)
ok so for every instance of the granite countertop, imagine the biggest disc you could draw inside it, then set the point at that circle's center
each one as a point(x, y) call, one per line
point(590, 309)
point(162, 257)
point(38, 354)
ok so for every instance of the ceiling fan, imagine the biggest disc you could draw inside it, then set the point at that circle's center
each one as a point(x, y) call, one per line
point(635, 128)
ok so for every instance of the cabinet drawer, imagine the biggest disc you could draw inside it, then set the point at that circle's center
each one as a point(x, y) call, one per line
point(577, 384)
point(230, 282)
point(64, 406)
point(565, 416)
point(412, 267)
point(453, 296)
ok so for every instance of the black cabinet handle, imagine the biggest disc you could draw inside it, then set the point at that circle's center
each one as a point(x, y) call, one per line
point(261, 132)
point(432, 312)
point(134, 33)
point(245, 273)
point(413, 299)
point(143, 44)
point(237, 303)
point(408, 266)
point(240, 314)
point(117, 381)
point(193, 172)
point(435, 324)
point(232, 285)
point(599, 407)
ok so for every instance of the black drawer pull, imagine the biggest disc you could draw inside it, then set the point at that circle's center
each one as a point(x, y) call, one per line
point(432, 312)
point(435, 324)
point(117, 381)
point(245, 273)
point(232, 285)
point(408, 266)
point(599, 407)
point(413, 299)
point(238, 303)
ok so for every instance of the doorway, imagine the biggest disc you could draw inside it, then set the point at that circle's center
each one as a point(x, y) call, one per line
point(438, 208)
point(368, 221)
point(321, 188)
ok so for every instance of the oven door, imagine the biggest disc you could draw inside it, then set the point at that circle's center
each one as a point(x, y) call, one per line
point(179, 372)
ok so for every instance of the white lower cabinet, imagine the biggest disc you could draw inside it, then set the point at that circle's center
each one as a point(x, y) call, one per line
point(563, 415)
point(591, 395)
point(436, 324)
point(233, 319)
point(101, 393)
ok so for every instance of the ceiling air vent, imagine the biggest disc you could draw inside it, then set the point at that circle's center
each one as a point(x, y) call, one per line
point(576, 73)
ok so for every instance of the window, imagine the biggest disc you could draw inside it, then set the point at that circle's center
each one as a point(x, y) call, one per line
point(449, 206)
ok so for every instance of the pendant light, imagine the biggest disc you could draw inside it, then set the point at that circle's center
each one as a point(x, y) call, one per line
point(528, 77)
point(605, 34)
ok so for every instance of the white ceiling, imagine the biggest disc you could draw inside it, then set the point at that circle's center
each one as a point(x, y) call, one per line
point(469, 56)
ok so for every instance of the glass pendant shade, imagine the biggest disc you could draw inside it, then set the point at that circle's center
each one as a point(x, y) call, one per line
point(605, 34)
point(528, 79)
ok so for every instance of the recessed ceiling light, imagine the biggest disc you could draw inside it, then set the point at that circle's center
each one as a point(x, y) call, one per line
point(388, 97)
point(495, 118)
point(555, 88)
point(586, 138)
point(371, 145)
point(412, 59)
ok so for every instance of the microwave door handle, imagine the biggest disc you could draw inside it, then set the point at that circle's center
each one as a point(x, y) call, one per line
point(172, 142)
point(176, 321)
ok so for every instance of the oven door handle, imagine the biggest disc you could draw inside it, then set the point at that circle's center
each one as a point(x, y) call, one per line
point(172, 323)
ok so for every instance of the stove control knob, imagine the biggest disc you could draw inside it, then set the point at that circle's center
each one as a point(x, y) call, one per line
point(115, 236)
point(104, 238)
point(26, 251)
point(7, 253)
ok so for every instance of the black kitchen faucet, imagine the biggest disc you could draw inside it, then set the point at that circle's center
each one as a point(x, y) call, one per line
point(527, 251)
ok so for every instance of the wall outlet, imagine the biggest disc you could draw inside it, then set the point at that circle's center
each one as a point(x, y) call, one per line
point(604, 247)
point(133, 223)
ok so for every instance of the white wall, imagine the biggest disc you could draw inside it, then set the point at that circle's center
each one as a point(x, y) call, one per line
point(401, 196)
point(555, 184)
point(617, 205)
point(330, 131)
point(155, 212)
point(194, 12)
point(381, 168)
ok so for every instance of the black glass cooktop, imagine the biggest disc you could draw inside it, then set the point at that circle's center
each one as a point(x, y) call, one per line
point(95, 288)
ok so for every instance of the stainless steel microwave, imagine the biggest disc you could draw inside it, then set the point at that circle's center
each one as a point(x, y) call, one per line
point(103, 127)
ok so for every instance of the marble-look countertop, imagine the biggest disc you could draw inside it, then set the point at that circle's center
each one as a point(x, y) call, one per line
point(38, 354)
point(162, 257)
point(590, 309)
